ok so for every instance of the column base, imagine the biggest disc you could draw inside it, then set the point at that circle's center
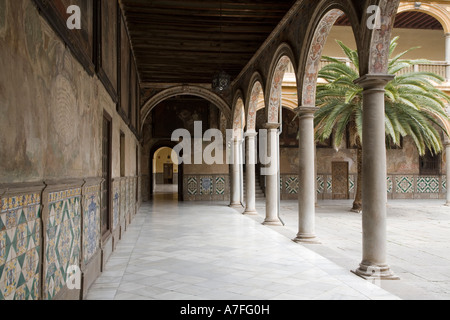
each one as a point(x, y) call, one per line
point(250, 213)
point(306, 239)
point(236, 205)
point(370, 272)
point(276, 223)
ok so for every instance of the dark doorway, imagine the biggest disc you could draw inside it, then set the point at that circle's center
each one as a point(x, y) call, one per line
point(105, 209)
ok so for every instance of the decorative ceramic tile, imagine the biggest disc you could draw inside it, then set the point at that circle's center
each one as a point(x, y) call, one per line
point(329, 184)
point(292, 185)
point(404, 184)
point(390, 185)
point(62, 240)
point(91, 224)
point(428, 184)
point(351, 183)
point(206, 186)
point(444, 183)
point(320, 184)
point(19, 245)
point(12, 203)
point(116, 205)
point(192, 186)
point(123, 200)
point(220, 185)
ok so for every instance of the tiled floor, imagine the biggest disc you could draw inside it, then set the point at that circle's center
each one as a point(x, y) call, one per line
point(418, 233)
point(204, 251)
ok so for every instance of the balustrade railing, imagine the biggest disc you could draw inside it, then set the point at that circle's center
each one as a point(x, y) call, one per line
point(437, 67)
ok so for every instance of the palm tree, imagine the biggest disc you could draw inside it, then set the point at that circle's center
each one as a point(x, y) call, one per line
point(413, 106)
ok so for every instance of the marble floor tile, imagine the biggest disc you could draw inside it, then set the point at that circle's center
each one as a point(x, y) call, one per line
point(192, 251)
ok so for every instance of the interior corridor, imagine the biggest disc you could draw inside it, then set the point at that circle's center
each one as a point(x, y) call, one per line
point(182, 251)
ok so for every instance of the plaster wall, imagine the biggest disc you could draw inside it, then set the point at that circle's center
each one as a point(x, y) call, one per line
point(51, 108)
point(431, 43)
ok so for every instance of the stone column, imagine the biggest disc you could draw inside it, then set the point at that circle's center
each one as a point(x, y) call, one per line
point(272, 181)
point(235, 179)
point(374, 173)
point(307, 179)
point(447, 57)
point(250, 192)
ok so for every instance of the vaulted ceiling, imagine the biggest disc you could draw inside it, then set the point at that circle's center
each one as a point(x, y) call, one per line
point(187, 41)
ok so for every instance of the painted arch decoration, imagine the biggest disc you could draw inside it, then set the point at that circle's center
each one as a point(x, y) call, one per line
point(276, 89)
point(239, 119)
point(256, 97)
point(314, 55)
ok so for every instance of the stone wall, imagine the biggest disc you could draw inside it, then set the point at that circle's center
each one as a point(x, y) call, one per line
point(50, 162)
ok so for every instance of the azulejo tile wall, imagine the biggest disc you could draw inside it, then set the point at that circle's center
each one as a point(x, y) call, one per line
point(91, 222)
point(20, 229)
point(45, 229)
point(397, 186)
point(206, 187)
point(62, 239)
point(116, 203)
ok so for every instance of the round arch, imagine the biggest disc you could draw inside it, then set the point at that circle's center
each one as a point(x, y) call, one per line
point(238, 115)
point(254, 97)
point(312, 65)
point(184, 91)
point(153, 150)
point(274, 87)
point(321, 24)
point(437, 12)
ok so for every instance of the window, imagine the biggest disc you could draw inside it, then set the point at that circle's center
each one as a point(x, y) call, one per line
point(106, 175)
point(430, 164)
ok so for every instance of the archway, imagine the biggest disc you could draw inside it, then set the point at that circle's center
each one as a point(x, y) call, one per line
point(185, 91)
point(164, 149)
point(165, 171)
point(284, 59)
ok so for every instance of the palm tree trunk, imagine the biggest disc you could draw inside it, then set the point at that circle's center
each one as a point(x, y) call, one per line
point(357, 204)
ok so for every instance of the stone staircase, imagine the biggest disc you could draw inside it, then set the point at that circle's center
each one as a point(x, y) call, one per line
point(259, 194)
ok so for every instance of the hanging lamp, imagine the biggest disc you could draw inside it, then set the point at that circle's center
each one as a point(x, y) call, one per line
point(221, 80)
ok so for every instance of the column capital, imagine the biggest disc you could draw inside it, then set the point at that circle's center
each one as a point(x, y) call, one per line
point(251, 134)
point(446, 142)
point(271, 126)
point(374, 81)
point(306, 110)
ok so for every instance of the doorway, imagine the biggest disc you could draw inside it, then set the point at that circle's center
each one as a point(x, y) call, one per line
point(340, 180)
point(166, 176)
